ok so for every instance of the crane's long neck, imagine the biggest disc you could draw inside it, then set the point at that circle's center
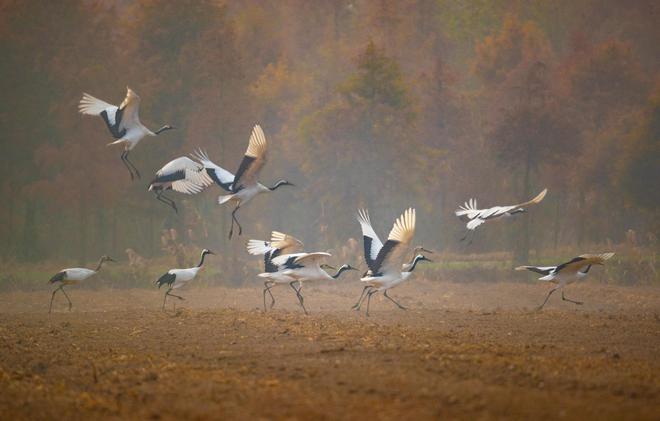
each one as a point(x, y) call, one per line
point(162, 129)
point(339, 272)
point(586, 270)
point(98, 267)
point(414, 263)
point(277, 185)
point(201, 262)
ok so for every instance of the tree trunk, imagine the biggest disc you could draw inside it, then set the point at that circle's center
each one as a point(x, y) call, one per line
point(557, 225)
point(27, 246)
point(82, 229)
point(521, 250)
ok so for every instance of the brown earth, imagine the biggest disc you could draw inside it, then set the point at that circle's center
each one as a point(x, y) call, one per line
point(468, 351)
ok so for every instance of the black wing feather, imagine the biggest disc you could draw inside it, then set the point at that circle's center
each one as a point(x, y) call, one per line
point(214, 177)
point(563, 265)
point(59, 277)
point(382, 255)
point(167, 279)
point(367, 253)
point(114, 128)
point(269, 266)
point(541, 271)
point(245, 164)
point(175, 176)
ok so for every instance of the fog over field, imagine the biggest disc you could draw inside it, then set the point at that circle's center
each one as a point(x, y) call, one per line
point(364, 104)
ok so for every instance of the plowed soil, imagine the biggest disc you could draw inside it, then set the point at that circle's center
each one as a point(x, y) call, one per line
point(468, 351)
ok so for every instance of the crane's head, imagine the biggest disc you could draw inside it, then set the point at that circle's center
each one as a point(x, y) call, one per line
point(343, 268)
point(106, 258)
point(206, 251)
point(420, 249)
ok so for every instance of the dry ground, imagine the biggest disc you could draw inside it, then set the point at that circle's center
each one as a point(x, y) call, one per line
point(469, 351)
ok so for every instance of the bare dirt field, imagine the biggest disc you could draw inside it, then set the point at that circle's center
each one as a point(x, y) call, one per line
point(468, 351)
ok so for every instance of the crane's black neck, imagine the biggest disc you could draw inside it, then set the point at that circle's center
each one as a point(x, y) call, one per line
point(339, 272)
point(98, 267)
point(587, 269)
point(414, 263)
point(201, 262)
point(162, 129)
point(279, 184)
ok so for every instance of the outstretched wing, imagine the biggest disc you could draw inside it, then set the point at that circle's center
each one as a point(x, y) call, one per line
point(186, 176)
point(391, 255)
point(468, 210)
point(111, 114)
point(253, 161)
point(284, 242)
point(299, 260)
point(578, 263)
point(539, 197)
point(543, 270)
point(259, 247)
point(372, 243)
point(277, 246)
point(219, 175)
point(129, 108)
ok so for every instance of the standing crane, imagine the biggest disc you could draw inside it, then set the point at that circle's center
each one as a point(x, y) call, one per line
point(72, 276)
point(123, 122)
point(177, 278)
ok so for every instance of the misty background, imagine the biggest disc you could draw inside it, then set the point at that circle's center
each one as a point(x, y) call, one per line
point(376, 104)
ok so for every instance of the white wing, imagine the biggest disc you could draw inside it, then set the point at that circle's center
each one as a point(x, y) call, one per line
point(221, 176)
point(390, 258)
point(130, 106)
point(469, 209)
point(473, 224)
point(186, 176)
point(258, 247)
point(304, 259)
point(93, 106)
point(253, 160)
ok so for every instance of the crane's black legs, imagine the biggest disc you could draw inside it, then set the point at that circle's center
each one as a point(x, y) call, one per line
point(61, 288)
point(369, 294)
point(267, 286)
point(392, 300)
point(299, 295)
point(169, 202)
point(569, 300)
point(357, 305)
point(171, 295)
point(131, 167)
point(234, 219)
point(547, 297)
point(469, 235)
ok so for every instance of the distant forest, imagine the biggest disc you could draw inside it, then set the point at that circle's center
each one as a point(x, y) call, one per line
point(377, 104)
